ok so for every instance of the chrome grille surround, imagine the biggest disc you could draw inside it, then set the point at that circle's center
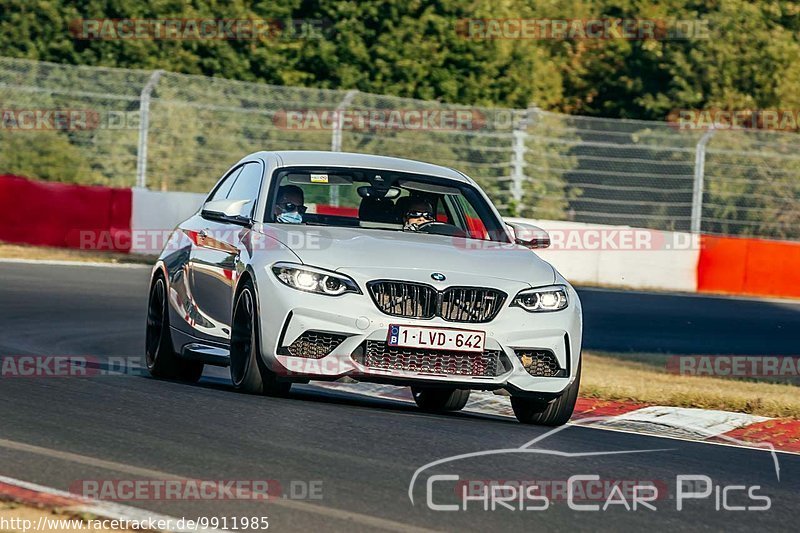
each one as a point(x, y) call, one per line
point(470, 304)
point(455, 304)
point(404, 299)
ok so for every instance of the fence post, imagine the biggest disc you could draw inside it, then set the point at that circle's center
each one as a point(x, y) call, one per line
point(336, 137)
point(144, 124)
point(518, 158)
point(699, 178)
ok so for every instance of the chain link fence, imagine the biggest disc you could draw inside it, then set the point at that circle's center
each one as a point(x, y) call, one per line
point(177, 132)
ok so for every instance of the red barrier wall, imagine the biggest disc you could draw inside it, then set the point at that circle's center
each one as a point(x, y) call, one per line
point(60, 214)
point(749, 266)
point(99, 218)
point(324, 209)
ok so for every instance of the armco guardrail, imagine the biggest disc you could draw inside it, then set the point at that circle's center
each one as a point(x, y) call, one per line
point(174, 132)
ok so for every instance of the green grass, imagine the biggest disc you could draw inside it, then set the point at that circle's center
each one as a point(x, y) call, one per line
point(643, 378)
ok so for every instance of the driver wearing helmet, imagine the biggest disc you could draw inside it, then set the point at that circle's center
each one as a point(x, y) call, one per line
point(418, 213)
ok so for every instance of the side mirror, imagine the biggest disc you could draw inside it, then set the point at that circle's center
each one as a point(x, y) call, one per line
point(529, 235)
point(233, 211)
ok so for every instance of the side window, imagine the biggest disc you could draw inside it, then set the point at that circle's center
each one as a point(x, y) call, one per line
point(247, 184)
point(224, 188)
point(466, 218)
point(443, 212)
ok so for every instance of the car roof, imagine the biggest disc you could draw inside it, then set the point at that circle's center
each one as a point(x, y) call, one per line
point(290, 158)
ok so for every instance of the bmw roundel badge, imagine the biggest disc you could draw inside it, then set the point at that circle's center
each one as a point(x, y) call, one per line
point(438, 276)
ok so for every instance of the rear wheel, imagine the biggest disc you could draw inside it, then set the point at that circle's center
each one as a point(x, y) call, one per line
point(249, 374)
point(160, 357)
point(554, 413)
point(440, 399)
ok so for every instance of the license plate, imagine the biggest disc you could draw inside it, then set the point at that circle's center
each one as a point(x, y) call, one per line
point(462, 340)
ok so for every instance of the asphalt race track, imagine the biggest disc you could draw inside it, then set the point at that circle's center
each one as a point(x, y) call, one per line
point(360, 454)
point(620, 321)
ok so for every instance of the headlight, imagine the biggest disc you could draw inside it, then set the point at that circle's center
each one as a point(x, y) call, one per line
point(543, 299)
point(310, 279)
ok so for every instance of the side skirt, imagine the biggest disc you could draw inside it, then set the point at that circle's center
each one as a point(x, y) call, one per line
point(210, 353)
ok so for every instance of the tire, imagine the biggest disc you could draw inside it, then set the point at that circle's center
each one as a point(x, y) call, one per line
point(160, 356)
point(440, 399)
point(554, 413)
point(249, 374)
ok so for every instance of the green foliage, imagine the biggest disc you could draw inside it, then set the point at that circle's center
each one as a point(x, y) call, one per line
point(46, 155)
point(415, 49)
point(412, 48)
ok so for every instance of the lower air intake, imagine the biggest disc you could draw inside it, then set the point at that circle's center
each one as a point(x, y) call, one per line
point(377, 354)
point(313, 345)
point(541, 363)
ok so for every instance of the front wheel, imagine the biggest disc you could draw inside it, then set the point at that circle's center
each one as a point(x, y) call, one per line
point(160, 357)
point(440, 399)
point(554, 413)
point(249, 374)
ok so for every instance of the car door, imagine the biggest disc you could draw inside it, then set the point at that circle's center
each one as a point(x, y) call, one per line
point(212, 261)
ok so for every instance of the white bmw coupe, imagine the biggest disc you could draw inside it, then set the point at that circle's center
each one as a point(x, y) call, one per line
point(322, 265)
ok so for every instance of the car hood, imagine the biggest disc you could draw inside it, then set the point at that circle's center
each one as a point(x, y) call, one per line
point(388, 252)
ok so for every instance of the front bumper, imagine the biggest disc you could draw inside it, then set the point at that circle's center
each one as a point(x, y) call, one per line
point(286, 314)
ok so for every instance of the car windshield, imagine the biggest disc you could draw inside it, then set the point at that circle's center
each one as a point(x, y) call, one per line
point(382, 200)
